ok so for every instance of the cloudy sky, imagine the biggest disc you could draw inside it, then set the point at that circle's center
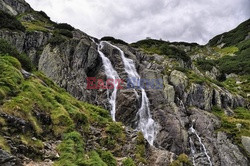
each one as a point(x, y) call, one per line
point(133, 20)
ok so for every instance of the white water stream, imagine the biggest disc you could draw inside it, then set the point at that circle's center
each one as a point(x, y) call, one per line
point(111, 74)
point(146, 124)
point(192, 130)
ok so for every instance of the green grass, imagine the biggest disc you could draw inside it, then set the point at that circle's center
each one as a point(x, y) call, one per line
point(238, 64)
point(94, 160)
point(107, 157)
point(243, 89)
point(26, 139)
point(35, 26)
point(3, 144)
point(10, 77)
point(229, 123)
point(128, 162)
point(69, 119)
point(41, 22)
point(181, 160)
point(227, 50)
point(151, 46)
point(115, 136)
point(140, 153)
point(71, 150)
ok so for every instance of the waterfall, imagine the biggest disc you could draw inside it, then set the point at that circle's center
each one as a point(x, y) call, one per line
point(111, 74)
point(193, 131)
point(192, 150)
point(146, 124)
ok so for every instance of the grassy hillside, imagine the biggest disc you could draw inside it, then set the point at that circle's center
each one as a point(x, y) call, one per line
point(34, 110)
point(232, 37)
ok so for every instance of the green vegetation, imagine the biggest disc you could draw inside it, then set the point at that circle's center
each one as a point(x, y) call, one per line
point(113, 40)
point(128, 162)
point(7, 49)
point(10, 77)
point(243, 88)
point(65, 32)
point(182, 160)
point(232, 37)
point(72, 153)
point(3, 144)
point(61, 34)
point(94, 160)
point(39, 22)
point(239, 64)
point(152, 46)
point(64, 26)
point(205, 65)
point(26, 139)
point(44, 15)
point(174, 52)
point(57, 40)
point(71, 150)
point(235, 64)
point(227, 50)
point(107, 157)
point(194, 78)
point(10, 22)
point(140, 149)
point(235, 126)
point(70, 118)
point(35, 26)
point(115, 136)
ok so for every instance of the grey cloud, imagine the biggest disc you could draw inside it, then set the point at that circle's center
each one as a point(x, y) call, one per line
point(174, 20)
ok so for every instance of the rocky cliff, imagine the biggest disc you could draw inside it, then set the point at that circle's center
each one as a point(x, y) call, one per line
point(202, 110)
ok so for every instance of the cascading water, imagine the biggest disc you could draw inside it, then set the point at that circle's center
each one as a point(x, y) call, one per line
point(193, 150)
point(193, 131)
point(146, 124)
point(111, 74)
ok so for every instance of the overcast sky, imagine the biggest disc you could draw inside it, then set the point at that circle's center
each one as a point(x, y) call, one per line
point(133, 20)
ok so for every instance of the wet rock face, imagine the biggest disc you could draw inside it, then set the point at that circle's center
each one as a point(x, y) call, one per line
point(127, 109)
point(70, 64)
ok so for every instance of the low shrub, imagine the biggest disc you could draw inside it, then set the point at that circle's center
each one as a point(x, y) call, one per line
point(65, 32)
point(44, 15)
point(57, 40)
point(7, 49)
point(107, 157)
point(113, 40)
point(10, 22)
point(206, 65)
point(64, 26)
point(128, 162)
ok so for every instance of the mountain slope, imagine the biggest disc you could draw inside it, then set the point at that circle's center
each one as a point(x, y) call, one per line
point(201, 111)
point(233, 37)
